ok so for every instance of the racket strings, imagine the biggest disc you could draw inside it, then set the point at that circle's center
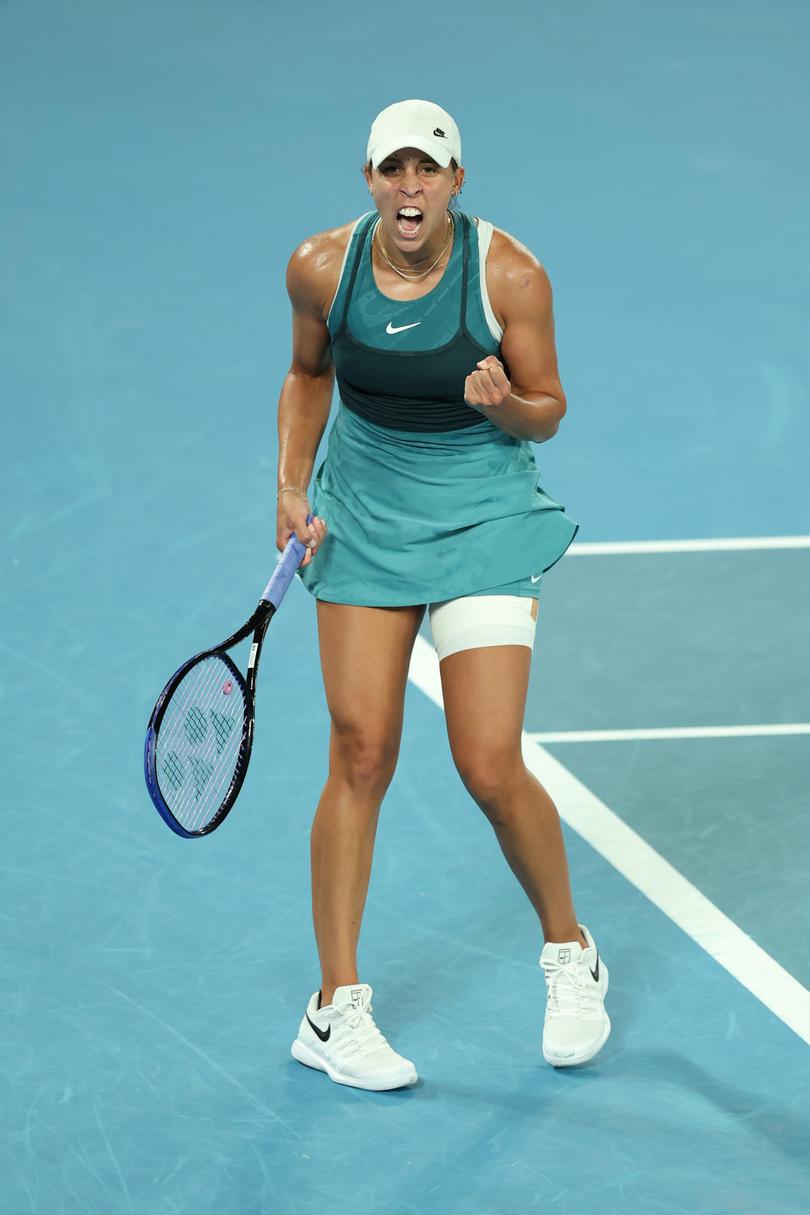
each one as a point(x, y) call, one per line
point(199, 775)
point(199, 743)
point(210, 779)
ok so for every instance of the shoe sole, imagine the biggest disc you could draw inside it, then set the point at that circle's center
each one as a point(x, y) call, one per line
point(575, 1061)
point(303, 1054)
point(594, 1050)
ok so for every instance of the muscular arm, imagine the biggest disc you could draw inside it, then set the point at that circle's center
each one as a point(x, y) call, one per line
point(306, 394)
point(520, 293)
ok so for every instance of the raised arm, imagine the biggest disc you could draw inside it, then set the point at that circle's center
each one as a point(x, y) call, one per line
point(530, 403)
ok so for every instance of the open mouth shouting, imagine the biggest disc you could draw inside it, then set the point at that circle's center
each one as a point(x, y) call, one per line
point(409, 222)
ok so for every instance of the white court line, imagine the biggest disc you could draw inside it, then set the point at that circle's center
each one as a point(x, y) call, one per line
point(647, 870)
point(609, 548)
point(580, 736)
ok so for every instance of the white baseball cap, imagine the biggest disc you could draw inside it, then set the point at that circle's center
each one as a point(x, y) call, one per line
point(414, 124)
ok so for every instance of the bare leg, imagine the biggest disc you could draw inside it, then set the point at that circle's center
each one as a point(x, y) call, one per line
point(365, 654)
point(485, 699)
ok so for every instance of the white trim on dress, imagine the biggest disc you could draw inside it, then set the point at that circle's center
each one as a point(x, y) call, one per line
point(485, 229)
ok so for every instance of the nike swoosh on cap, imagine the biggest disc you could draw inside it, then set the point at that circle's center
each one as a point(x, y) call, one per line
point(389, 328)
point(324, 1037)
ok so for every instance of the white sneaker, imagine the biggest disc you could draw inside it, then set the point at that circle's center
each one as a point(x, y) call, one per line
point(576, 1025)
point(342, 1040)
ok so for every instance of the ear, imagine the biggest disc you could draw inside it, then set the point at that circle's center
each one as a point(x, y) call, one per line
point(458, 180)
point(368, 176)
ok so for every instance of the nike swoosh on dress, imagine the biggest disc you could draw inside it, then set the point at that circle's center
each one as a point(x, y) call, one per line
point(389, 328)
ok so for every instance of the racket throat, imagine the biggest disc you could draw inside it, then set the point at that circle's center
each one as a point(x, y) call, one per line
point(266, 611)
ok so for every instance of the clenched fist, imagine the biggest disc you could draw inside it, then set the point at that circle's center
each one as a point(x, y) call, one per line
point(488, 386)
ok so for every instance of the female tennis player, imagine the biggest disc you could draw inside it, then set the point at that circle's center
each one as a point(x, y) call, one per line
point(440, 330)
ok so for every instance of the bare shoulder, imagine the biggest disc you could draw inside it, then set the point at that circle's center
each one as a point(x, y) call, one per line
point(314, 269)
point(516, 280)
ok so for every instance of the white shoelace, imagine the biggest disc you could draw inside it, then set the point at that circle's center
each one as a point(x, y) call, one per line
point(358, 1033)
point(572, 991)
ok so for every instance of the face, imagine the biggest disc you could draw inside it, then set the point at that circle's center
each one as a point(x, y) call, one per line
point(411, 179)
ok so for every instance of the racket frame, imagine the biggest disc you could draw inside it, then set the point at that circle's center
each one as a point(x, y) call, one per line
point(258, 626)
point(272, 596)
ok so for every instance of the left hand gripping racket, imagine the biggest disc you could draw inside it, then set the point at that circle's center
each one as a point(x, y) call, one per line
point(200, 734)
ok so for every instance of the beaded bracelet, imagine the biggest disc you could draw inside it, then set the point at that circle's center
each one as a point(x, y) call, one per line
point(294, 489)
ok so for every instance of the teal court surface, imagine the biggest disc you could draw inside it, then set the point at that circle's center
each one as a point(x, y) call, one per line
point(163, 160)
point(153, 985)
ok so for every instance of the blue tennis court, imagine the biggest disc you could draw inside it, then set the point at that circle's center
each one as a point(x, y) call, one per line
point(162, 162)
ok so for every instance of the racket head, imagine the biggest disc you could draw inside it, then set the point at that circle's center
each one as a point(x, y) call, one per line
point(198, 744)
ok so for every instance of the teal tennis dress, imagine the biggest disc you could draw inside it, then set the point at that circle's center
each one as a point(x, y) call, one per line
point(424, 498)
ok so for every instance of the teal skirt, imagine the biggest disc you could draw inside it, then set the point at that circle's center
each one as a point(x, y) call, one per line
point(418, 517)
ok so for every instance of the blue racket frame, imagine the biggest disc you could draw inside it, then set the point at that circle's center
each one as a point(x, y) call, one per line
point(280, 580)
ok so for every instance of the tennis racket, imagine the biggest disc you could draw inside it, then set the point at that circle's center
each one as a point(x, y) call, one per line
point(200, 734)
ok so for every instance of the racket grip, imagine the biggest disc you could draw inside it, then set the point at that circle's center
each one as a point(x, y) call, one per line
point(288, 562)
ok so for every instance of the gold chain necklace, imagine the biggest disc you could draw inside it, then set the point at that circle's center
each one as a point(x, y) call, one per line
point(423, 273)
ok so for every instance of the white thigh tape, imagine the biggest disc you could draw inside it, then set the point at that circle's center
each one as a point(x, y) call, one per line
point(482, 620)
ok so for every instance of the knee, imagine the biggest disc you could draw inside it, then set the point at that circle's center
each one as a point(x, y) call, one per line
point(364, 759)
point(492, 778)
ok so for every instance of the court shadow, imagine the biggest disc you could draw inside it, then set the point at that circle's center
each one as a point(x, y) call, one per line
point(676, 1080)
point(771, 1120)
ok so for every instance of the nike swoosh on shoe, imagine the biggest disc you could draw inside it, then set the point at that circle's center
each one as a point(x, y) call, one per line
point(324, 1037)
